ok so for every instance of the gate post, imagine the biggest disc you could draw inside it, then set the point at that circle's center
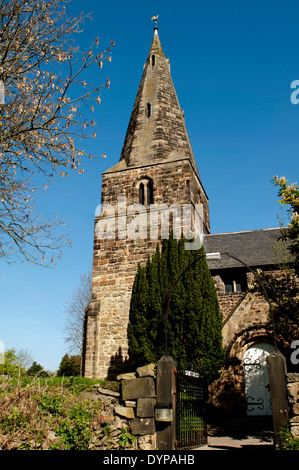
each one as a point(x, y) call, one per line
point(165, 407)
point(278, 390)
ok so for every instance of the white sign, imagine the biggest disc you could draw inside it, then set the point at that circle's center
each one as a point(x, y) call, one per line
point(191, 373)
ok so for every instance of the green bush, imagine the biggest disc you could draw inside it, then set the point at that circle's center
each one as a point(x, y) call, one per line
point(69, 366)
point(36, 370)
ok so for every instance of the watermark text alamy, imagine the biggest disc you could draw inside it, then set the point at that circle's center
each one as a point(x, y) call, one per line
point(155, 221)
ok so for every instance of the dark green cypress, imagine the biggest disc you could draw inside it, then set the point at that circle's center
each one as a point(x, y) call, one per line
point(137, 327)
point(194, 328)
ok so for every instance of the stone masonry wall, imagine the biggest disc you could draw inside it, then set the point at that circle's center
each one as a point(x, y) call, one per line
point(129, 404)
point(245, 325)
point(293, 399)
point(228, 303)
point(116, 259)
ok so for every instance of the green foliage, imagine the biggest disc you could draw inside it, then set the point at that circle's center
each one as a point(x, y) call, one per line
point(15, 420)
point(289, 196)
point(126, 439)
point(194, 322)
point(288, 441)
point(12, 365)
point(50, 403)
point(282, 289)
point(79, 384)
point(69, 366)
point(74, 428)
point(70, 417)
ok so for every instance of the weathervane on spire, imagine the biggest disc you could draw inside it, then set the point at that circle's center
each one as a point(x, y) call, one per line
point(155, 18)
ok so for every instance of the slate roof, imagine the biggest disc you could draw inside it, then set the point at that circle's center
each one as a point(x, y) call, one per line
point(254, 248)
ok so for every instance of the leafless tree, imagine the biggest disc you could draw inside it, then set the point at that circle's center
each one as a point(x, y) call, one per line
point(24, 357)
point(75, 309)
point(45, 114)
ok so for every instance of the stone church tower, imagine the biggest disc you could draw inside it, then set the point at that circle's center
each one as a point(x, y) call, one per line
point(156, 168)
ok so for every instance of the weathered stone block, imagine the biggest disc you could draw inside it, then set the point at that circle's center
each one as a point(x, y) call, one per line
point(295, 420)
point(127, 376)
point(130, 403)
point(124, 411)
point(142, 426)
point(145, 407)
point(295, 430)
point(143, 387)
point(293, 392)
point(147, 442)
point(146, 371)
point(106, 391)
point(292, 377)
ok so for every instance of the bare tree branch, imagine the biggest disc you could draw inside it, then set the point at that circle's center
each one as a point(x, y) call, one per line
point(45, 117)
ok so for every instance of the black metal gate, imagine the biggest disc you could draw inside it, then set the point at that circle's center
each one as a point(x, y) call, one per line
point(191, 424)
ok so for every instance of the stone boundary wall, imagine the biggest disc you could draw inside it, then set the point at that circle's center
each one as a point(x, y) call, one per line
point(130, 402)
point(293, 399)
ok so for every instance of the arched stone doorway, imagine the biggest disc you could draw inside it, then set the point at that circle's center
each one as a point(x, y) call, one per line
point(256, 378)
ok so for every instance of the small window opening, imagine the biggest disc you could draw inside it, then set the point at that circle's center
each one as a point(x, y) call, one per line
point(141, 193)
point(235, 282)
point(148, 110)
point(153, 60)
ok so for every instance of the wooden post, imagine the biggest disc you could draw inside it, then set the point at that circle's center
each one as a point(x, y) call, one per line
point(165, 406)
point(278, 390)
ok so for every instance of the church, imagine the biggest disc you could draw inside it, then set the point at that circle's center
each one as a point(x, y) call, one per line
point(157, 169)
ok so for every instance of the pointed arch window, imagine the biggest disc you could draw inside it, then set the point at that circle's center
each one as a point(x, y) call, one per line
point(153, 60)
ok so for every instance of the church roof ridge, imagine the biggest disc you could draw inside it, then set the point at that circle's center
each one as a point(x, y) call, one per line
point(244, 231)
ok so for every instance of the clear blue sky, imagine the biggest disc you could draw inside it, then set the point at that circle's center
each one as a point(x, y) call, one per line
point(232, 64)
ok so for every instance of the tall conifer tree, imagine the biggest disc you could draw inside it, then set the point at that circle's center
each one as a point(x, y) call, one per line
point(194, 323)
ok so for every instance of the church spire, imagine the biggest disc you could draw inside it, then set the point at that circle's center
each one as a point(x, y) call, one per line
point(156, 131)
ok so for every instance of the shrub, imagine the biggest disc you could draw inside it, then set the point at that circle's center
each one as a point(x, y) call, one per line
point(70, 366)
